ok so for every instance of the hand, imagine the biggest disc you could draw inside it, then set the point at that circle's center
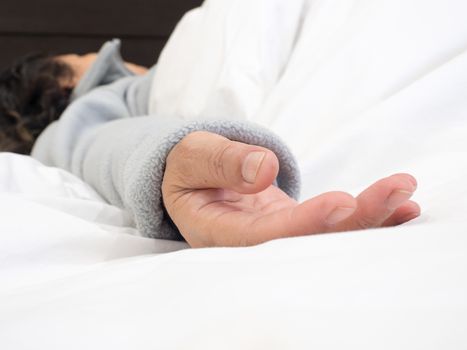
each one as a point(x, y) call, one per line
point(219, 193)
point(138, 70)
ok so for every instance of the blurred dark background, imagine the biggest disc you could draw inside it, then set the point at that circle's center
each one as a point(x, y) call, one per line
point(81, 26)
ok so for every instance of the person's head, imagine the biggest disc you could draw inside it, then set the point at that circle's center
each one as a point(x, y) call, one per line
point(31, 97)
point(34, 91)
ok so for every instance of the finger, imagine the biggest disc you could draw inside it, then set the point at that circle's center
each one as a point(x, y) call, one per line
point(377, 203)
point(317, 215)
point(205, 160)
point(406, 212)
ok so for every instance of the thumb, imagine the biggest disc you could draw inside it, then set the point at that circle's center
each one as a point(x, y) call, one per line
point(204, 160)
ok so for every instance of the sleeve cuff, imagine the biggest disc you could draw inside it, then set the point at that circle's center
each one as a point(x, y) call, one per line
point(144, 170)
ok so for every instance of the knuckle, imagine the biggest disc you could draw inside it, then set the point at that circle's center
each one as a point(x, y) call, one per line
point(200, 158)
point(185, 147)
point(217, 161)
point(367, 222)
point(185, 152)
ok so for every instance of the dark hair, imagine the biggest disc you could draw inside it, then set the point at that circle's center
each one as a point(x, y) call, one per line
point(32, 96)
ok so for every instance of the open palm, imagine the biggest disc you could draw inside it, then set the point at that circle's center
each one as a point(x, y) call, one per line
point(213, 205)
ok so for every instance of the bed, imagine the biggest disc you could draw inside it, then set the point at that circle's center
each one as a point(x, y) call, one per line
point(358, 90)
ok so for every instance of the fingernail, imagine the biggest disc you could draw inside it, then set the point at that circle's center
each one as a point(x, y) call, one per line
point(396, 198)
point(339, 214)
point(251, 166)
point(414, 183)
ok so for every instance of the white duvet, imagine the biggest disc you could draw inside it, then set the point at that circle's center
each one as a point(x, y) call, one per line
point(359, 90)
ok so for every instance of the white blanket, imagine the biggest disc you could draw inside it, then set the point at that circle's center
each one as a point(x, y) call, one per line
point(359, 90)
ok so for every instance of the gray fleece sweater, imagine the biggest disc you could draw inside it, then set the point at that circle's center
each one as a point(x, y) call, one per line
point(107, 138)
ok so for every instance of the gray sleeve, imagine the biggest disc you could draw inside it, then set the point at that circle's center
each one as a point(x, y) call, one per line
point(123, 157)
point(125, 161)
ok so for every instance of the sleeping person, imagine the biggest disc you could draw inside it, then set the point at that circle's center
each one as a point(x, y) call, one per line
point(211, 183)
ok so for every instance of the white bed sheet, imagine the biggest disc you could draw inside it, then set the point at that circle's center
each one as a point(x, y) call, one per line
point(359, 89)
